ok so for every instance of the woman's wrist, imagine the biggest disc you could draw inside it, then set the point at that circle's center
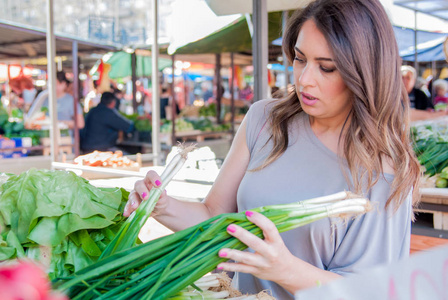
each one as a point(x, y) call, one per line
point(301, 275)
point(161, 207)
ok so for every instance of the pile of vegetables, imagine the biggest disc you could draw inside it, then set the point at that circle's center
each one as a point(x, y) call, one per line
point(162, 268)
point(181, 125)
point(430, 143)
point(60, 215)
point(208, 110)
point(205, 124)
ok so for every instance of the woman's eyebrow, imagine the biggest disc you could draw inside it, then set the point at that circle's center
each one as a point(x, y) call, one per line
point(317, 58)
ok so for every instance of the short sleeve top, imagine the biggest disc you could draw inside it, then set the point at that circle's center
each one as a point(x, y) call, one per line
point(65, 106)
point(306, 170)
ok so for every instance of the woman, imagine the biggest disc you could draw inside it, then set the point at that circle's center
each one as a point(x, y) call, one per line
point(345, 126)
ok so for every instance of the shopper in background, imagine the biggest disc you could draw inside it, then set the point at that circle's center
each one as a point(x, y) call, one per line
point(65, 105)
point(420, 105)
point(441, 90)
point(92, 98)
point(344, 126)
point(103, 123)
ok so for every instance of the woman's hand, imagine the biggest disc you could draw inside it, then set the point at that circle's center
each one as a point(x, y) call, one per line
point(271, 260)
point(141, 192)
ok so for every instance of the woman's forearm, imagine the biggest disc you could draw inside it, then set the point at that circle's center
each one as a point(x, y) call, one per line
point(178, 215)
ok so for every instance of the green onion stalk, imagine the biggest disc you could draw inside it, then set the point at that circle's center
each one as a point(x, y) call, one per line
point(128, 233)
point(161, 268)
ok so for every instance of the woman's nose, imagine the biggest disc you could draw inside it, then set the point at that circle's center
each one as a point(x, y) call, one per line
point(307, 76)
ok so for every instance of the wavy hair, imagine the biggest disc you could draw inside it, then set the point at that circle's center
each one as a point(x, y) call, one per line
point(366, 55)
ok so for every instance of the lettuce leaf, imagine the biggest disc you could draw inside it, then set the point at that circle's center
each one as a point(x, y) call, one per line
point(61, 210)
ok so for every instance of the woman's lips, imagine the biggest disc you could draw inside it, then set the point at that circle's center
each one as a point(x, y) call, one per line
point(307, 99)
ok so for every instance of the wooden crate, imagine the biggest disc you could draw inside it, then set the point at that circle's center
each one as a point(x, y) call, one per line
point(65, 145)
point(435, 202)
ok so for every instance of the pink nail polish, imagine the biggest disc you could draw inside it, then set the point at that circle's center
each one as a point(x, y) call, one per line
point(222, 254)
point(158, 183)
point(220, 268)
point(144, 195)
point(249, 213)
point(231, 228)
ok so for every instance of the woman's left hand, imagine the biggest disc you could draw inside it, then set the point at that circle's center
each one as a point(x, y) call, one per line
point(271, 257)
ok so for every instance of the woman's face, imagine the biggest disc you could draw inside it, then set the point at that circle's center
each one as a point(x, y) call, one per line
point(319, 85)
point(408, 81)
point(60, 87)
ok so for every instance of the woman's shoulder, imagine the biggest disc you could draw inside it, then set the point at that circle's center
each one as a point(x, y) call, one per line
point(261, 108)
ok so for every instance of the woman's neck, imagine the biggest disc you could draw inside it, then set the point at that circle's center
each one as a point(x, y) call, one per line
point(330, 132)
point(59, 94)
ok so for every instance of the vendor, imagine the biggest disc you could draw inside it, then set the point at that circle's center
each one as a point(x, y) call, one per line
point(103, 123)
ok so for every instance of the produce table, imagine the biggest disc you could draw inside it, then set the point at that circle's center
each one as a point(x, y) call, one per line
point(194, 135)
point(435, 201)
point(187, 185)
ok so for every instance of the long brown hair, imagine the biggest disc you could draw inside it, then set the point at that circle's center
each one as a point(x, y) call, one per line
point(366, 55)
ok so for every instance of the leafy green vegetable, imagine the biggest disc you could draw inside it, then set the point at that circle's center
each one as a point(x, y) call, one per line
point(430, 143)
point(60, 210)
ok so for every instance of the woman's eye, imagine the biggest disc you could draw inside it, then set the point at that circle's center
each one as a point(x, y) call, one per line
point(327, 70)
point(299, 59)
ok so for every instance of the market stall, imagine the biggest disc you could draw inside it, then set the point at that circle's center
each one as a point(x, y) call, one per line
point(431, 147)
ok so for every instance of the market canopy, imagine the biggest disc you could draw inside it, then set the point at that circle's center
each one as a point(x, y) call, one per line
point(426, 52)
point(234, 37)
point(429, 44)
point(18, 42)
point(121, 64)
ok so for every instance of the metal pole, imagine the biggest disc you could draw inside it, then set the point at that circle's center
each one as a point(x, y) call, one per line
point(173, 103)
point(134, 81)
point(232, 94)
point(155, 88)
point(51, 73)
point(218, 87)
point(285, 58)
point(434, 74)
point(75, 67)
point(260, 49)
point(8, 90)
point(415, 44)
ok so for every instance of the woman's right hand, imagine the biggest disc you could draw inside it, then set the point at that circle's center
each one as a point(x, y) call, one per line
point(141, 192)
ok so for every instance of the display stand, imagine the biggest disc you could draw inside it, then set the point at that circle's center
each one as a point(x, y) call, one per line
point(435, 202)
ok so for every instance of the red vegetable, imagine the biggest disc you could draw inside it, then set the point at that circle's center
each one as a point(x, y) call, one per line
point(25, 280)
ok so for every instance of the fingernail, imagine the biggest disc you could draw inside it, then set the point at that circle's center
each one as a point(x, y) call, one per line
point(144, 195)
point(249, 213)
point(231, 228)
point(222, 253)
point(220, 268)
point(158, 183)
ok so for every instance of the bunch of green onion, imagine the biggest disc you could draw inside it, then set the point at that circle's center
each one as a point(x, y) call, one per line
point(163, 267)
point(128, 233)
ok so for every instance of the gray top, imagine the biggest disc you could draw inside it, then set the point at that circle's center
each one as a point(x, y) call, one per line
point(306, 170)
point(65, 107)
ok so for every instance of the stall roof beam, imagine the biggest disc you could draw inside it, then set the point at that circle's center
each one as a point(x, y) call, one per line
point(21, 41)
point(435, 8)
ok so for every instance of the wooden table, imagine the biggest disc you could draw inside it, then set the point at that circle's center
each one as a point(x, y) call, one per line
point(424, 243)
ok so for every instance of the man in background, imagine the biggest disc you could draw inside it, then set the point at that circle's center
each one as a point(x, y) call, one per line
point(103, 123)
